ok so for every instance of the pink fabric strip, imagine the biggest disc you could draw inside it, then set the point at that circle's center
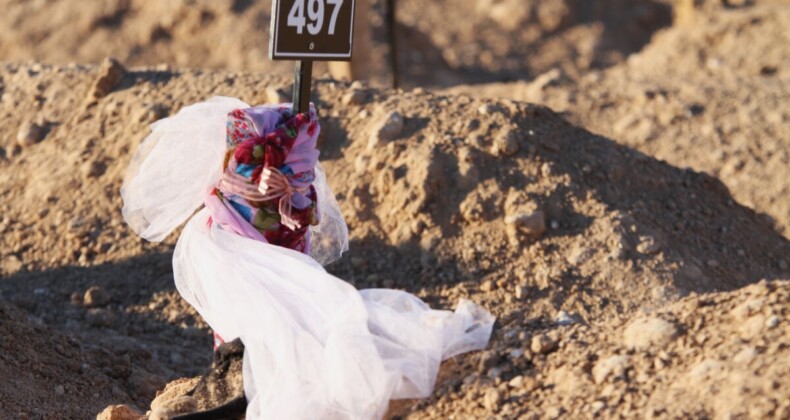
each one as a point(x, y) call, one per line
point(273, 185)
point(229, 218)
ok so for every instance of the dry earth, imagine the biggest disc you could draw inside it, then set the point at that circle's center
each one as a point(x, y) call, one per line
point(710, 95)
point(625, 284)
point(233, 34)
point(542, 222)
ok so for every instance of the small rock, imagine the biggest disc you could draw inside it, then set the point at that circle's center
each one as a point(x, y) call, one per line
point(93, 169)
point(119, 412)
point(516, 382)
point(96, 296)
point(545, 169)
point(177, 405)
point(355, 97)
point(506, 143)
point(521, 292)
point(276, 95)
point(60, 390)
point(648, 245)
point(612, 367)
point(76, 298)
point(509, 14)
point(388, 128)
point(533, 224)
point(487, 286)
point(491, 399)
point(649, 333)
point(173, 390)
point(11, 264)
point(495, 373)
point(488, 360)
point(554, 412)
point(486, 109)
point(543, 344)
point(99, 317)
point(564, 318)
point(30, 133)
point(597, 406)
point(111, 73)
point(772, 322)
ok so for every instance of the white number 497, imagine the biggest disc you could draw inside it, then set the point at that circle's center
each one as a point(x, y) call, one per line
point(315, 14)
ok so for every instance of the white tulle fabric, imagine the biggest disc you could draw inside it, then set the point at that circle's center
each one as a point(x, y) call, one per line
point(315, 347)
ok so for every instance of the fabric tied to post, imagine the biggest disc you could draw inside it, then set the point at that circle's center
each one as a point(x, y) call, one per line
point(260, 183)
point(251, 261)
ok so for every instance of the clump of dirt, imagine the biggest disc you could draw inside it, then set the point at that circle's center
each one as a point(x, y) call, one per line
point(709, 95)
point(502, 202)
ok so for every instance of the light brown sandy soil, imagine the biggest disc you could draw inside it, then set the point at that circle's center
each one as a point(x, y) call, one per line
point(640, 294)
point(430, 211)
point(441, 43)
point(711, 95)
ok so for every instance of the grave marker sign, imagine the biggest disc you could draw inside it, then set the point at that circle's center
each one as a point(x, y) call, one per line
point(310, 30)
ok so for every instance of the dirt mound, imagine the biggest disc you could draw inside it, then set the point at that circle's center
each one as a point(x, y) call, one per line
point(498, 40)
point(708, 356)
point(716, 105)
point(446, 196)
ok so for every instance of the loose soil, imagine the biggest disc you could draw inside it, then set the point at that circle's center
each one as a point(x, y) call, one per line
point(627, 278)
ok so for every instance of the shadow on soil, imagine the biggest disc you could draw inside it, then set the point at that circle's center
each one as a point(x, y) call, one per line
point(627, 26)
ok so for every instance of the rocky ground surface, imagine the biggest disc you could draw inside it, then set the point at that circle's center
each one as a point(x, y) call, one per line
point(710, 94)
point(503, 202)
point(634, 273)
point(498, 40)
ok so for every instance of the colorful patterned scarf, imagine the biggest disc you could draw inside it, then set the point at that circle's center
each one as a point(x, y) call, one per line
point(266, 190)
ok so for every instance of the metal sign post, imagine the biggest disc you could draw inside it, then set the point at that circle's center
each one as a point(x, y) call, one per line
point(310, 30)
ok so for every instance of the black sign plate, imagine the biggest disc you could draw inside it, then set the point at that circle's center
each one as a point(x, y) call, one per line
point(312, 30)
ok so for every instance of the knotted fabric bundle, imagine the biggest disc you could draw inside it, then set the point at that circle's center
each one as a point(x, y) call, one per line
point(250, 262)
point(266, 191)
